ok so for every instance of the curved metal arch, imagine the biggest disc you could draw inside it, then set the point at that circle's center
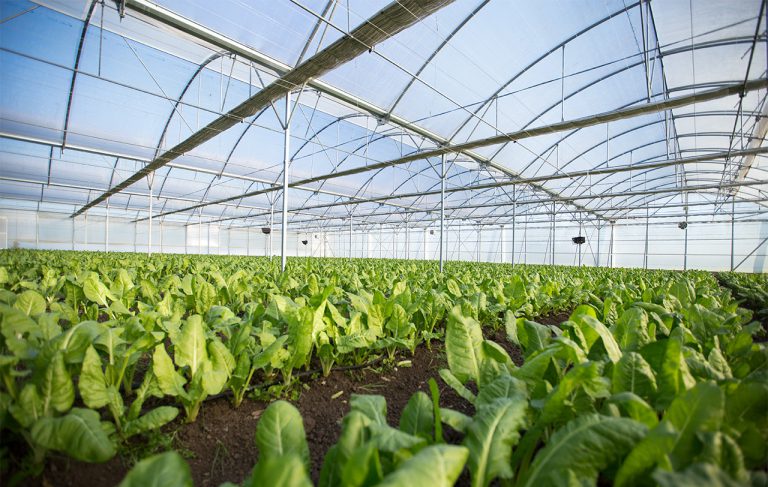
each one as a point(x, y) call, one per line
point(703, 45)
point(679, 50)
point(537, 61)
point(719, 113)
point(177, 103)
point(86, 23)
point(435, 52)
point(650, 159)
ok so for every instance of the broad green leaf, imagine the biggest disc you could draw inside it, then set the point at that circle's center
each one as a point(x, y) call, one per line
point(280, 433)
point(161, 470)
point(582, 449)
point(490, 437)
point(152, 420)
point(374, 407)
point(417, 418)
point(78, 434)
point(283, 471)
point(96, 291)
point(698, 475)
point(633, 374)
point(633, 406)
point(92, 383)
point(435, 466)
point(673, 441)
point(668, 363)
point(456, 420)
point(456, 385)
point(190, 351)
point(363, 468)
point(463, 346)
point(631, 330)
point(57, 391)
point(503, 387)
point(30, 303)
point(388, 439)
point(560, 406)
point(593, 329)
point(169, 381)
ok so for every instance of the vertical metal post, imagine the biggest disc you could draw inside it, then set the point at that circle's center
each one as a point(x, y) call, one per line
point(599, 231)
point(381, 240)
point(37, 228)
point(85, 231)
point(442, 208)
point(286, 163)
point(73, 236)
point(579, 246)
point(503, 246)
point(149, 222)
point(553, 233)
point(199, 232)
point(610, 247)
point(271, 220)
point(645, 248)
point(685, 249)
point(161, 236)
point(407, 242)
point(247, 241)
point(106, 230)
point(514, 221)
point(479, 241)
point(350, 235)
point(733, 211)
point(135, 235)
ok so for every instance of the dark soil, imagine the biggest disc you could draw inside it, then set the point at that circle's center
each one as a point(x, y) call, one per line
point(555, 318)
point(220, 446)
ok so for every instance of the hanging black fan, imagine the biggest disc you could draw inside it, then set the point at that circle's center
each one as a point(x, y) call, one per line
point(266, 230)
point(431, 232)
point(682, 225)
point(304, 242)
point(579, 240)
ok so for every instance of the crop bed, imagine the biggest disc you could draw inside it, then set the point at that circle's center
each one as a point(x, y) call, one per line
point(629, 377)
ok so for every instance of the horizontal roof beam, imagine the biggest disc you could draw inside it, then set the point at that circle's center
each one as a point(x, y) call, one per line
point(395, 17)
point(553, 177)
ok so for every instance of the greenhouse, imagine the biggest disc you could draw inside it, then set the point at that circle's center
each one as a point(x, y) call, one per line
point(383, 242)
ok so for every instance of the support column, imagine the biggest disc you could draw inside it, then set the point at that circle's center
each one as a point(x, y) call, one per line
point(161, 236)
point(442, 208)
point(514, 221)
point(610, 247)
point(73, 236)
point(645, 247)
point(149, 222)
point(247, 241)
point(106, 230)
point(479, 241)
point(685, 248)
point(733, 227)
point(407, 242)
point(37, 229)
point(553, 233)
point(503, 244)
point(350, 235)
point(85, 231)
point(286, 163)
point(599, 231)
point(271, 229)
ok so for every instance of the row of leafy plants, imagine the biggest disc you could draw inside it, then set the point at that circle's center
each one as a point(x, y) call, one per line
point(663, 388)
point(87, 339)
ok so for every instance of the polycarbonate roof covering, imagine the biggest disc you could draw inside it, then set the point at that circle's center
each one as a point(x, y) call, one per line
point(89, 97)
